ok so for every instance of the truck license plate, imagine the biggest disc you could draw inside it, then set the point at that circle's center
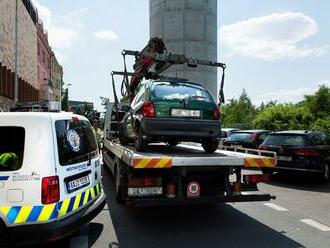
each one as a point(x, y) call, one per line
point(284, 158)
point(77, 184)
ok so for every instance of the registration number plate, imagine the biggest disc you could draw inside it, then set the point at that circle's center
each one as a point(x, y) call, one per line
point(78, 184)
point(284, 158)
point(186, 113)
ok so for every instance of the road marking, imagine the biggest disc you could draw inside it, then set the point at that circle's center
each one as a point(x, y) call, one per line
point(316, 224)
point(276, 207)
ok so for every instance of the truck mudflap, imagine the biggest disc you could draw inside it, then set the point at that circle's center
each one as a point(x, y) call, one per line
point(243, 197)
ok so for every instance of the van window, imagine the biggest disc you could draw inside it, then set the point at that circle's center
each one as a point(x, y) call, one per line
point(11, 148)
point(75, 141)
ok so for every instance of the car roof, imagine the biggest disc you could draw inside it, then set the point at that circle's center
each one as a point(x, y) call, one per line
point(42, 115)
point(251, 131)
point(229, 129)
point(178, 81)
point(295, 132)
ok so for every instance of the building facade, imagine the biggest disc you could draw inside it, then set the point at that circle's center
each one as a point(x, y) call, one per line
point(27, 52)
point(188, 27)
point(56, 72)
point(44, 55)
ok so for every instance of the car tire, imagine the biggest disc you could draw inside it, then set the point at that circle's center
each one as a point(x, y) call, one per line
point(140, 143)
point(173, 143)
point(325, 176)
point(119, 189)
point(210, 146)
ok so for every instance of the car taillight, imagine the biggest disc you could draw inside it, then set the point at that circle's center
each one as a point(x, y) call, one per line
point(306, 152)
point(216, 113)
point(50, 190)
point(263, 148)
point(254, 136)
point(148, 109)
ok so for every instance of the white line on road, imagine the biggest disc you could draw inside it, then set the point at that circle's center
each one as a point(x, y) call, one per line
point(276, 207)
point(316, 224)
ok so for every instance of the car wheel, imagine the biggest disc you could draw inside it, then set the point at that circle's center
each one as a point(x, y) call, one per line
point(325, 173)
point(119, 190)
point(140, 143)
point(210, 146)
point(173, 143)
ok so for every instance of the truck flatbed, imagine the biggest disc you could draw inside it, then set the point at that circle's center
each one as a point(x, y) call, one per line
point(162, 156)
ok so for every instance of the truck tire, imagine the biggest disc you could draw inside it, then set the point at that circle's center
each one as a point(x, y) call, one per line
point(140, 143)
point(210, 146)
point(119, 189)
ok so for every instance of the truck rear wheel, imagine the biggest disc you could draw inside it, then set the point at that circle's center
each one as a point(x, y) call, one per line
point(210, 146)
point(119, 189)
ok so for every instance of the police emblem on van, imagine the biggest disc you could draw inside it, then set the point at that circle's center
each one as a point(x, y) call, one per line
point(73, 139)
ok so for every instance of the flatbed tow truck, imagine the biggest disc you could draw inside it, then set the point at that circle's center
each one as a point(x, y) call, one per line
point(182, 174)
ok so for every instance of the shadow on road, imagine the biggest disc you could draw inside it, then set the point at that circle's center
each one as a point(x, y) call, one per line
point(189, 226)
point(300, 182)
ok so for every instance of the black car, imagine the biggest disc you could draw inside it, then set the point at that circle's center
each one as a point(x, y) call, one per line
point(172, 111)
point(306, 151)
point(246, 138)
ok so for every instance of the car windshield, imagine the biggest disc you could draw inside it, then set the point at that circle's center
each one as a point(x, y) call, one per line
point(169, 90)
point(241, 137)
point(288, 140)
point(75, 141)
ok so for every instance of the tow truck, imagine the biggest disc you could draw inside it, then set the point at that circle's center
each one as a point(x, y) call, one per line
point(178, 175)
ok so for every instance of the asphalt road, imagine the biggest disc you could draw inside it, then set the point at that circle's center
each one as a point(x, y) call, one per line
point(299, 217)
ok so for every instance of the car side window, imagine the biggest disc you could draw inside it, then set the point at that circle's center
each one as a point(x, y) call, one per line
point(317, 139)
point(326, 138)
point(263, 136)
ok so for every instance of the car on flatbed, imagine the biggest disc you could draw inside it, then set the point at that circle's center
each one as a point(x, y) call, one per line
point(172, 112)
point(225, 133)
point(246, 138)
point(303, 151)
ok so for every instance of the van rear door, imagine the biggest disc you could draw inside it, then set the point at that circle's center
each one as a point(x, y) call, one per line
point(78, 164)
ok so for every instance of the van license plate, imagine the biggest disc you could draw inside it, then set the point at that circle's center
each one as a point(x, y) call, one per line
point(78, 184)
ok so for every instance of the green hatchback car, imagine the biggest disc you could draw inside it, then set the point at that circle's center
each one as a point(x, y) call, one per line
point(172, 112)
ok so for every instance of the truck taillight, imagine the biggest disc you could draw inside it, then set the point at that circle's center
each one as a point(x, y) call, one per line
point(50, 190)
point(148, 109)
point(216, 113)
point(254, 179)
point(306, 152)
point(144, 181)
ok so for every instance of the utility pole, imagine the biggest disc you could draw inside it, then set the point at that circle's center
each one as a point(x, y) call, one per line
point(16, 52)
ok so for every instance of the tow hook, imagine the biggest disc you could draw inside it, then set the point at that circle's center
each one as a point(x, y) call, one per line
point(273, 197)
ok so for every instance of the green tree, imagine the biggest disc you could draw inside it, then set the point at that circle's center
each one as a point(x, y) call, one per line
point(283, 117)
point(238, 112)
point(64, 97)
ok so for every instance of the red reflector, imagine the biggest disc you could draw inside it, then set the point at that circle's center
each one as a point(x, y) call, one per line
point(306, 152)
point(148, 109)
point(50, 190)
point(254, 179)
point(216, 113)
point(75, 118)
point(144, 181)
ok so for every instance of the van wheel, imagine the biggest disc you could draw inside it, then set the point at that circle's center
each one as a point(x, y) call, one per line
point(325, 176)
point(119, 189)
point(3, 236)
point(140, 143)
point(210, 146)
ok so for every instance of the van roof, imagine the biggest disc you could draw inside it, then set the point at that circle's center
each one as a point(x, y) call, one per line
point(41, 115)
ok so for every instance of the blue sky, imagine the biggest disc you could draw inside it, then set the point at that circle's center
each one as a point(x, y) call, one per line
point(276, 49)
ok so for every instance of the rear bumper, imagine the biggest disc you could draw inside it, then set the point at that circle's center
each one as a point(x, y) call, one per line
point(186, 129)
point(246, 197)
point(56, 230)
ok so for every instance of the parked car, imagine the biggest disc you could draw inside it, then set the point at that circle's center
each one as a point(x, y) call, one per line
point(172, 111)
point(247, 138)
point(225, 133)
point(306, 151)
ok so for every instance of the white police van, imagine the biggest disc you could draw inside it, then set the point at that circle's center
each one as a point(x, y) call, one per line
point(50, 176)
